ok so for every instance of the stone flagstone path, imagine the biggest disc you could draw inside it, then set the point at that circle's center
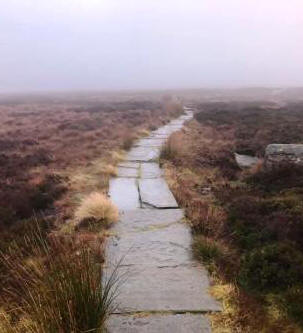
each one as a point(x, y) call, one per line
point(165, 290)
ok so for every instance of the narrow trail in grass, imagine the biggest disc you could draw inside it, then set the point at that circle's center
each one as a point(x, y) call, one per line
point(165, 290)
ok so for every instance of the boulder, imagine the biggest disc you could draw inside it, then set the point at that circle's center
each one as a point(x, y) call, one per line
point(283, 154)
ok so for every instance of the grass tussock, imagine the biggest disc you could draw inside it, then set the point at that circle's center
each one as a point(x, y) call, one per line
point(109, 170)
point(55, 286)
point(173, 148)
point(96, 208)
point(128, 142)
point(143, 132)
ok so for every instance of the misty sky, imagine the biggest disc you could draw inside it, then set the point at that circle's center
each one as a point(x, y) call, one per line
point(146, 44)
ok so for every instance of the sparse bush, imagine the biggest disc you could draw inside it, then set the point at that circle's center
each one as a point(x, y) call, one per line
point(273, 267)
point(278, 178)
point(292, 303)
point(96, 208)
point(206, 249)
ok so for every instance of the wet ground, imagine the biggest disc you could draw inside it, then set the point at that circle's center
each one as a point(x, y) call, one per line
point(164, 289)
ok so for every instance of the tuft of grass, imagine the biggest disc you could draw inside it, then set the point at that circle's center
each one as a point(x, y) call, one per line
point(117, 156)
point(96, 208)
point(128, 142)
point(59, 289)
point(109, 170)
point(143, 132)
point(172, 148)
point(206, 249)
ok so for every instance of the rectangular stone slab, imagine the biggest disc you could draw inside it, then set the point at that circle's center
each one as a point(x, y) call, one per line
point(162, 246)
point(157, 323)
point(135, 165)
point(124, 193)
point(144, 154)
point(150, 142)
point(146, 219)
point(178, 289)
point(155, 192)
point(150, 170)
point(128, 172)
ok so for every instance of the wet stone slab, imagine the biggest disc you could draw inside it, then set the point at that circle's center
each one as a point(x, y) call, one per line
point(143, 154)
point(124, 193)
point(134, 165)
point(170, 323)
point(158, 271)
point(150, 170)
point(146, 219)
point(150, 142)
point(127, 172)
point(160, 246)
point(179, 289)
point(155, 193)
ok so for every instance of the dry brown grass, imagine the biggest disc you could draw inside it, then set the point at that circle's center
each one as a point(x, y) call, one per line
point(204, 168)
point(57, 157)
point(173, 148)
point(98, 208)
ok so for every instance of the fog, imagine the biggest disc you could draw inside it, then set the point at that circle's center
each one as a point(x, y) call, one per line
point(148, 44)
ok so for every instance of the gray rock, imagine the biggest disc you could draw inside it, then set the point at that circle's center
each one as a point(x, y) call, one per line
point(281, 154)
point(171, 323)
point(246, 161)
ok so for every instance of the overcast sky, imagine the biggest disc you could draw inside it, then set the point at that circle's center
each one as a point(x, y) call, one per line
point(146, 44)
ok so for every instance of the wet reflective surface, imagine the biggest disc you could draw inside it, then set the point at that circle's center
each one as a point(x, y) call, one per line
point(155, 244)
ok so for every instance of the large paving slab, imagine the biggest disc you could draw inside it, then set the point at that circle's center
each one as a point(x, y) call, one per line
point(150, 142)
point(155, 193)
point(147, 219)
point(150, 170)
point(156, 246)
point(143, 154)
point(124, 193)
point(183, 288)
point(170, 323)
point(127, 172)
point(126, 164)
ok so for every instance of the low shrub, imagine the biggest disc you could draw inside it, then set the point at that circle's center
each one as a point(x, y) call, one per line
point(292, 303)
point(273, 267)
point(278, 178)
